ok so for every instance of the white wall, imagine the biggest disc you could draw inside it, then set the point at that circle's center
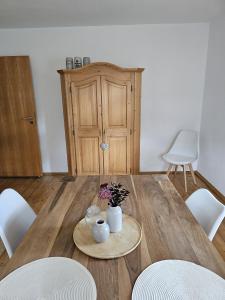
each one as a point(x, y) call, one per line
point(212, 141)
point(174, 57)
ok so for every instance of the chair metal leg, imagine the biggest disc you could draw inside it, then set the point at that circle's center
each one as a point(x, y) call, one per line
point(192, 173)
point(185, 179)
point(169, 169)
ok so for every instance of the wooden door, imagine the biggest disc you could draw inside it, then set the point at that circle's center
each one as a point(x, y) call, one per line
point(86, 103)
point(19, 143)
point(116, 111)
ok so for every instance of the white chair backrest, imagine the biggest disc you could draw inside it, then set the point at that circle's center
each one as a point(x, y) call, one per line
point(186, 144)
point(16, 216)
point(207, 210)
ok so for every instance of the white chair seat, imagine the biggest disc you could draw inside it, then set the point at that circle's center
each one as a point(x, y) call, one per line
point(183, 152)
point(177, 159)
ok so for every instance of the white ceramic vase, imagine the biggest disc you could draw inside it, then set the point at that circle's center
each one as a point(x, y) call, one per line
point(114, 218)
point(100, 231)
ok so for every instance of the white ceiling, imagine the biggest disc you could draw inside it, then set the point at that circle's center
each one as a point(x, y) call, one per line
point(44, 13)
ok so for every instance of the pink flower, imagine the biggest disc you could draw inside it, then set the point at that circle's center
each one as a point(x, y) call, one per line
point(104, 193)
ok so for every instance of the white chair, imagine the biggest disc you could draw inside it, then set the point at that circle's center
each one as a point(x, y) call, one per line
point(207, 210)
point(183, 152)
point(16, 216)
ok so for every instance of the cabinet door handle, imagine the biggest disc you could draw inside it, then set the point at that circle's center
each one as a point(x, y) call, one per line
point(104, 146)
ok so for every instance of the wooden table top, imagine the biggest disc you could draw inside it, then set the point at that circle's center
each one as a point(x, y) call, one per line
point(169, 232)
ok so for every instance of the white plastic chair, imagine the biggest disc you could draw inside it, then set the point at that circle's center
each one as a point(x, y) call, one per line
point(183, 152)
point(207, 210)
point(16, 216)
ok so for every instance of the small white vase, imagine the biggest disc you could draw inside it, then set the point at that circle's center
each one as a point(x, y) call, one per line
point(114, 218)
point(100, 231)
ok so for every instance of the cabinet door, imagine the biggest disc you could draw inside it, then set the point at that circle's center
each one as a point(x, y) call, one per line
point(86, 103)
point(116, 108)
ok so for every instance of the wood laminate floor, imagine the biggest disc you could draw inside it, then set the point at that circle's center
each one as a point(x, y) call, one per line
point(37, 190)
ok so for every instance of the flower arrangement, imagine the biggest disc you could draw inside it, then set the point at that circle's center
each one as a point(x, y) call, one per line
point(114, 193)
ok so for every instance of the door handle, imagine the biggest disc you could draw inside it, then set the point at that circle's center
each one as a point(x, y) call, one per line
point(29, 119)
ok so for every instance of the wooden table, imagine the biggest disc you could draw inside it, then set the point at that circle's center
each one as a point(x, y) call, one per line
point(169, 232)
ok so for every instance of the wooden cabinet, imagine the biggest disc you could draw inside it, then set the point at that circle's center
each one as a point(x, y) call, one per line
point(101, 105)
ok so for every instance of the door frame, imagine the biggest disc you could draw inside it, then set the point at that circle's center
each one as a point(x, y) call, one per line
point(101, 69)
